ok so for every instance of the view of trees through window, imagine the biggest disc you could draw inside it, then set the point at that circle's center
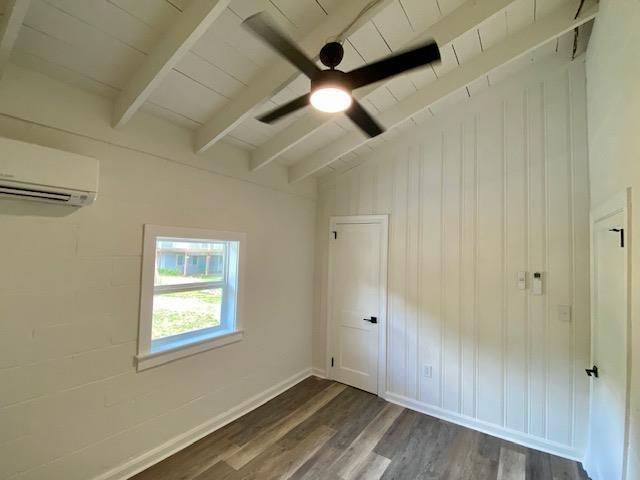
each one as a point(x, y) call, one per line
point(188, 286)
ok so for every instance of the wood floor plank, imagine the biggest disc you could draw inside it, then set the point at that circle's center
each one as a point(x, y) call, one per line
point(285, 466)
point(318, 467)
point(409, 445)
point(281, 462)
point(355, 417)
point(563, 469)
point(473, 456)
point(488, 457)
point(248, 426)
point(440, 452)
point(512, 465)
point(219, 471)
point(372, 468)
point(348, 463)
point(462, 456)
point(397, 436)
point(321, 430)
point(538, 466)
point(191, 462)
point(268, 436)
point(349, 413)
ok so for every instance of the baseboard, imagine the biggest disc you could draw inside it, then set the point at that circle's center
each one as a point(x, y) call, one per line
point(144, 461)
point(591, 471)
point(514, 436)
point(632, 467)
point(319, 372)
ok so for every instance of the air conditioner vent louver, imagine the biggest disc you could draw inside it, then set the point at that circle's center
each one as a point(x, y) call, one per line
point(24, 192)
point(36, 173)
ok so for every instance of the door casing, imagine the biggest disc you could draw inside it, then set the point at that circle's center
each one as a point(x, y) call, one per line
point(382, 220)
point(618, 203)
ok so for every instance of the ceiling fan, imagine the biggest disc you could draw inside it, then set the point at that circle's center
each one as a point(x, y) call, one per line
point(331, 89)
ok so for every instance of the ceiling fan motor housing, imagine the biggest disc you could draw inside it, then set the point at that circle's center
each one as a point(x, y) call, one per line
point(331, 78)
point(331, 54)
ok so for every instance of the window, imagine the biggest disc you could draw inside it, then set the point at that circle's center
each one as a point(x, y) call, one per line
point(190, 295)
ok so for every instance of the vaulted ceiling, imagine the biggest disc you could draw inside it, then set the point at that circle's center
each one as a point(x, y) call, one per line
point(191, 62)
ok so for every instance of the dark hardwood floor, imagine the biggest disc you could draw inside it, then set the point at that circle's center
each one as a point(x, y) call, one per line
point(324, 430)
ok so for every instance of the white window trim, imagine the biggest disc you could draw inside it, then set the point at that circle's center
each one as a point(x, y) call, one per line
point(189, 343)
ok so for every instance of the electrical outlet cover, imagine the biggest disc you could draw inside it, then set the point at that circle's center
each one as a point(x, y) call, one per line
point(564, 313)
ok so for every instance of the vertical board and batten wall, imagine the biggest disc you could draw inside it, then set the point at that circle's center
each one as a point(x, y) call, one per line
point(498, 186)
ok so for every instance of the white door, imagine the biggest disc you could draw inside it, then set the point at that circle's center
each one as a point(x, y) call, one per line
point(357, 300)
point(605, 457)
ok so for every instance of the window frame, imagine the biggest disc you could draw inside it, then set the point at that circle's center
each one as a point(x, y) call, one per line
point(230, 330)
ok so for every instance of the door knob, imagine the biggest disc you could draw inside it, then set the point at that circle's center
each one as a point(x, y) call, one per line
point(592, 371)
point(371, 320)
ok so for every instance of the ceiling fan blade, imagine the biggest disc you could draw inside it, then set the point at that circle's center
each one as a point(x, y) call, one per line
point(285, 109)
point(262, 26)
point(394, 65)
point(364, 120)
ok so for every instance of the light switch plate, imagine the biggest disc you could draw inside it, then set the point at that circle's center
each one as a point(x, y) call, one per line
point(522, 280)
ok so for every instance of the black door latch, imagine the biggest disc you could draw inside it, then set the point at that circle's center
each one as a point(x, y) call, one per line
point(371, 320)
point(592, 372)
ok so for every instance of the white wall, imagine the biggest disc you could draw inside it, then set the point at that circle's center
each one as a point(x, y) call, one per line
point(498, 186)
point(613, 99)
point(71, 403)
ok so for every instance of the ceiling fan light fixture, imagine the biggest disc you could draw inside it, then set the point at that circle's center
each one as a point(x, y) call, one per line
point(331, 88)
point(331, 99)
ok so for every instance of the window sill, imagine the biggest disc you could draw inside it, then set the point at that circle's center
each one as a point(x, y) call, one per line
point(154, 359)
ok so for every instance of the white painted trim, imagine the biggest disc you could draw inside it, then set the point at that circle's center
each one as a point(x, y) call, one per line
point(511, 48)
point(146, 357)
point(179, 442)
point(173, 45)
point(319, 372)
point(382, 220)
point(150, 360)
point(618, 203)
point(514, 436)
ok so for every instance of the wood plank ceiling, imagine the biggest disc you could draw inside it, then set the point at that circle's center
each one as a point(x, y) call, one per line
point(98, 45)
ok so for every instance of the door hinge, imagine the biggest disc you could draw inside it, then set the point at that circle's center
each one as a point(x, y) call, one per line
point(335, 235)
point(332, 361)
point(621, 230)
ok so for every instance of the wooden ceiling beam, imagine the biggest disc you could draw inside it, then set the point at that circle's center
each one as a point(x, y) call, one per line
point(174, 44)
point(14, 15)
point(514, 46)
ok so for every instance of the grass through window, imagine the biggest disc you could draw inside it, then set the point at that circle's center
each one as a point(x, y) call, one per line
point(181, 312)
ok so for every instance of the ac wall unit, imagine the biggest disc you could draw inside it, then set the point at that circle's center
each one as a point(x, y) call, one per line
point(42, 174)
